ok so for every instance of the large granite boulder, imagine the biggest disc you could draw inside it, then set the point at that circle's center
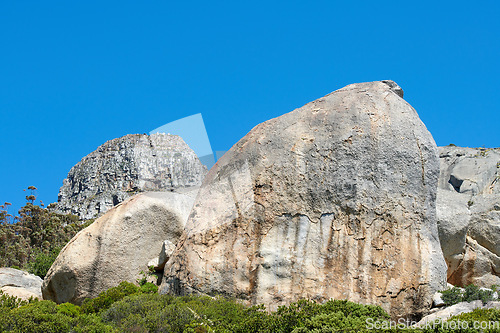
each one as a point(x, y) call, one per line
point(333, 200)
point(125, 166)
point(117, 246)
point(19, 283)
point(468, 210)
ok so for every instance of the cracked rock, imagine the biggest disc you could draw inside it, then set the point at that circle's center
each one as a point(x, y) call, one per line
point(335, 199)
point(468, 218)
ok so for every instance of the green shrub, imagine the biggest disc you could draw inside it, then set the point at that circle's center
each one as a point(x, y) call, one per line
point(46, 316)
point(149, 288)
point(39, 316)
point(129, 308)
point(226, 315)
point(452, 296)
point(469, 294)
point(149, 312)
point(286, 318)
point(69, 309)
point(8, 302)
point(341, 315)
point(108, 297)
point(334, 315)
point(41, 265)
point(92, 323)
point(473, 293)
point(491, 316)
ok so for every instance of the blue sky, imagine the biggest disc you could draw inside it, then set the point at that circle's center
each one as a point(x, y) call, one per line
point(73, 76)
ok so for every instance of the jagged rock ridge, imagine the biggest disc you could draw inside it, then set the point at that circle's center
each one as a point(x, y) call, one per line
point(122, 167)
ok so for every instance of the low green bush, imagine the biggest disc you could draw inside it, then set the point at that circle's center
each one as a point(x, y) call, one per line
point(108, 297)
point(452, 296)
point(473, 293)
point(479, 320)
point(129, 308)
point(148, 313)
point(37, 317)
point(332, 316)
point(470, 293)
point(8, 302)
point(47, 316)
point(149, 288)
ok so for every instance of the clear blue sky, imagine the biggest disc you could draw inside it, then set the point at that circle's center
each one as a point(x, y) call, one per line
point(73, 76)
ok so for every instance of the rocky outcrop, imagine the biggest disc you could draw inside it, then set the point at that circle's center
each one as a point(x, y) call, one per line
point(122, 167)
point(448, 312)
point(117, 246)
point(19, 283)
point(468, 208)
point(333, 200)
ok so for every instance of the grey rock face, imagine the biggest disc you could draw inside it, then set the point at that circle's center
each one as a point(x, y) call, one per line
point(14, 278)
point(472, 171)
point(333, 200)
point(468, 210)
point(117, 246)
point(122, 167)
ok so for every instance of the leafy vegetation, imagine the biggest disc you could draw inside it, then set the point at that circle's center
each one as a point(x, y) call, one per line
point(469, 294)
point(32, 240)
point(130, 308)
point(479, 320)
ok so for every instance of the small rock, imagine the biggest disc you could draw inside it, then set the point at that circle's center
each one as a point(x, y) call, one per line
point(153, 263)
point(492, 305)
point(437, 300)
point(166, 252)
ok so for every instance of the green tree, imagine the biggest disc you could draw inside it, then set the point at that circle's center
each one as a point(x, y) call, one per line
point(33, 239)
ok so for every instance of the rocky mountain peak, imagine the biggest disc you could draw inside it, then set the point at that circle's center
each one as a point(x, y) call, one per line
point(124, 166)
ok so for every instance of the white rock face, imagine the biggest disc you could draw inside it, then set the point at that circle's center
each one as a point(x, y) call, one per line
point(447, 313)
point(437, 300)
point(122, 167)
point(468, 210)
point(333, 200)
point(19, 283)
point(117, 246)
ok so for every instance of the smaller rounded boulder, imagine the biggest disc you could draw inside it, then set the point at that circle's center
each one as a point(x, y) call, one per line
point(116, 246)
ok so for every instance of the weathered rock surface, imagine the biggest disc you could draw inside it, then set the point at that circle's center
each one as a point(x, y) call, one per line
point(122, 167)
point(468, 210)
point(166, 251)
point(332, 200)
point(437, 300)
point(447, 313)
point(117, 246)
point(21, 293)
point(19, 283)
